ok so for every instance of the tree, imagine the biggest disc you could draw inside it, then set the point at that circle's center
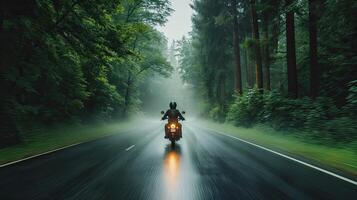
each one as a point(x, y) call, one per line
point(255, 32)
point(208, 62)
point(249, 72)
point(290, 48)
point(270, 9)
point(314, 67)
point(145, 44)
point(65, 61)
point(149, 57)
point(236, 47)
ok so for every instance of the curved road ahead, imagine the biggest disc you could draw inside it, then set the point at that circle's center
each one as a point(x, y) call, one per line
point(204, 165)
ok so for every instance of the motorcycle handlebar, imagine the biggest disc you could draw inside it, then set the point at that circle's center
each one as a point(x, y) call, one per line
point(177, 119)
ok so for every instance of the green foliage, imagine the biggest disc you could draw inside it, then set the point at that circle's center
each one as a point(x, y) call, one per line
point(188, 67)
point(204, 58)
point(148, 57)
point(65, 61)
point(338, 39)
point(245, 110)
point(104, 100)
point(206, 62)
point(352, 96)
point(321, 117)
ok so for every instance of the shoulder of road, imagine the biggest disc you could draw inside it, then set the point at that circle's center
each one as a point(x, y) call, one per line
point(336, 158)
point(49, 141)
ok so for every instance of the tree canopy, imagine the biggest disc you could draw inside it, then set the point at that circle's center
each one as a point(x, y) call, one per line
point(252, 59)
point(76, 60)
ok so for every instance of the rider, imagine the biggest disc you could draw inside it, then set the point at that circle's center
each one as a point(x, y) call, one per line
point(173, 115)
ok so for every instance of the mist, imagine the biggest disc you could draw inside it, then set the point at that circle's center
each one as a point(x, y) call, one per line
point(159, 91)
point(272, 84)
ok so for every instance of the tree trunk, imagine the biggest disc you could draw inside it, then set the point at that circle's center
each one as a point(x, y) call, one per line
point(275, 21)
point(222, 88)
point(314, 68)
point(266, 51)
point(1, 18)
point(291, 54)
point(249, 70)
point(238, 85)
point(246, 67)
point(2, 48)
point(221, 95)
point(258, 56)
point(127, 94)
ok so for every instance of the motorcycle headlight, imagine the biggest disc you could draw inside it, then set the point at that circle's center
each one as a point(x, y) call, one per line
point(173, 126)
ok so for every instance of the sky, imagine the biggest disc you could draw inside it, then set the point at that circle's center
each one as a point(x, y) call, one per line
point(179, 23)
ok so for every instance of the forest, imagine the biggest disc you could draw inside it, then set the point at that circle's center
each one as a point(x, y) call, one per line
point(76, 61)
point(266, 95)
point(287, 64)
point(290, 65)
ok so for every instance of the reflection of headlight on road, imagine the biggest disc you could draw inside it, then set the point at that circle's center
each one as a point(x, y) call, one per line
point(172, 126)
point(173, 162)
point(172, 165)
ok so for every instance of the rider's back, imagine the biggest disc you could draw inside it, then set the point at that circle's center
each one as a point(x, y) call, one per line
point(173, 114)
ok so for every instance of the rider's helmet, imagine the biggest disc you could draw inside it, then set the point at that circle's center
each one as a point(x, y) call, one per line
point(173, 105)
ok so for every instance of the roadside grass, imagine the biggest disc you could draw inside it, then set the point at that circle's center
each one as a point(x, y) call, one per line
point(54, 138)
point(333, 155)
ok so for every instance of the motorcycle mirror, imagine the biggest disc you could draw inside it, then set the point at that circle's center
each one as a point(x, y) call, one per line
point(183, 112)
point(162, 112)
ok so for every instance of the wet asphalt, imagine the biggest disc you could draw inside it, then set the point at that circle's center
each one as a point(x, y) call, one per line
point(203, 165)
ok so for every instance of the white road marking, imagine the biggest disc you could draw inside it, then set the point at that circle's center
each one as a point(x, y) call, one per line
point(41, 154)
point(45, 153)
point(132, 146)
point(288, 157)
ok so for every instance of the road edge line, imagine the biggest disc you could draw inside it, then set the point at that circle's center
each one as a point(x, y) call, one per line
point(287, 157)
point(54, 150)
point(41, 154)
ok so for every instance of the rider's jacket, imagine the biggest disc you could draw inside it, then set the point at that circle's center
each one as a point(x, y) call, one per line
point(173, 115)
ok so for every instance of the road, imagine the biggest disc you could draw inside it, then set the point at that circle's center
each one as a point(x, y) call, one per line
point(140, 164)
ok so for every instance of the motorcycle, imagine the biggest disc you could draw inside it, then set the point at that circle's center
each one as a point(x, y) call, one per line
point(173, 129)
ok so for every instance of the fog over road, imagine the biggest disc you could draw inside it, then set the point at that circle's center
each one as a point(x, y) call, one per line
point(141, 164)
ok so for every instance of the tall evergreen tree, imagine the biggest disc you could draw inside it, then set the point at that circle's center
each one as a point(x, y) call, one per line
point(236, 47)
point(290, 49)
point(258, 56)
point(314, 67)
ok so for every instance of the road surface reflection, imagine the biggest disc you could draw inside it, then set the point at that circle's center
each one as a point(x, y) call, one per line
point(172, 161)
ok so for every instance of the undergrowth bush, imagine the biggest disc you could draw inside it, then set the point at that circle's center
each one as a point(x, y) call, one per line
point(245, 110)
point(319, 117)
